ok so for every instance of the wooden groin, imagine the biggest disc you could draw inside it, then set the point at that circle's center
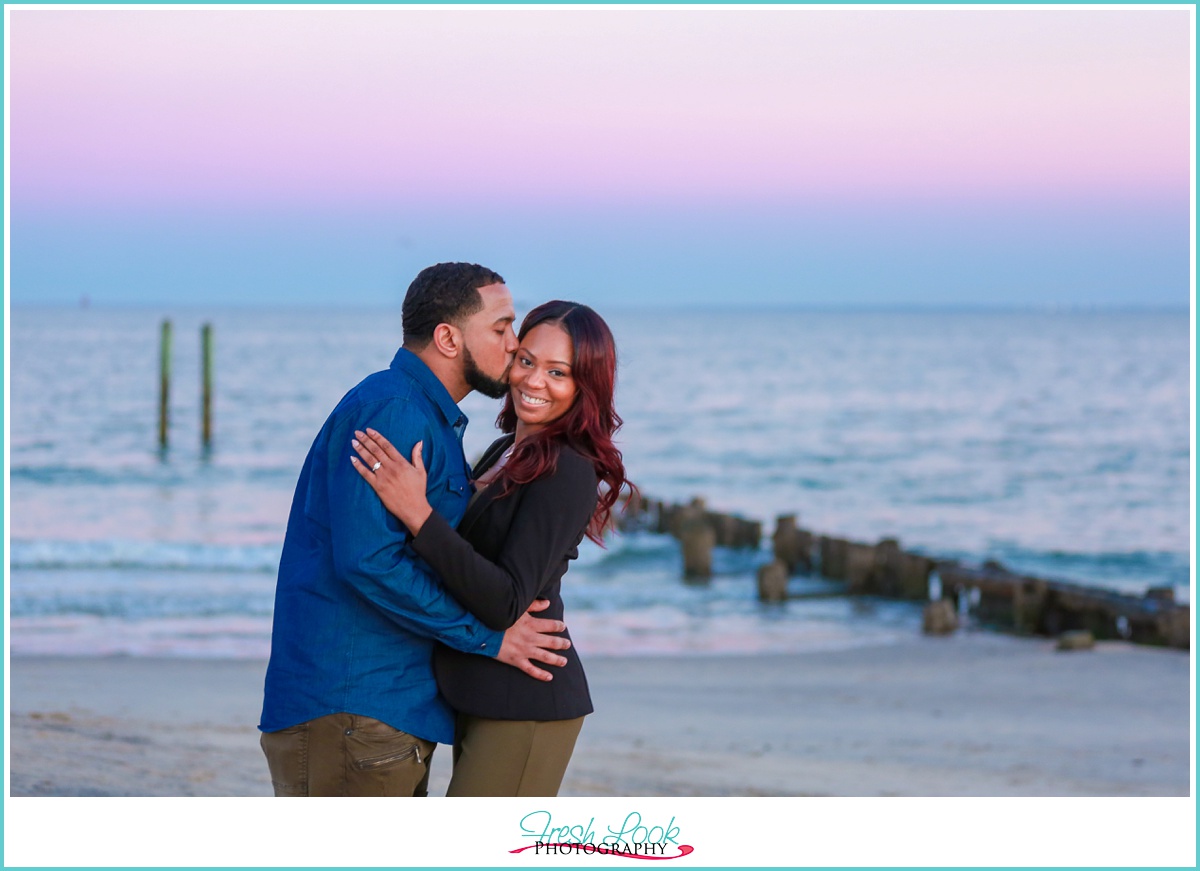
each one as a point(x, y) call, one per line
point(991, 594)
point(1037, 606)
point(697, 529)
point(730, 530)
point(1006, 600)
point(881, 569)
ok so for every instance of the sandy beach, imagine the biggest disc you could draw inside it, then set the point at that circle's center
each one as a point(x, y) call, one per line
point(973, 715)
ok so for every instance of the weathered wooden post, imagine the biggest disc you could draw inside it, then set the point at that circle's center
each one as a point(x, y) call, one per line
point(1029, 601)
point(1076, 639)
point(685, 514)
point(834, 557)
point(164, 383)
point(697, 539)
point(206, 345)
point(772, 581)
point(860, 568)
point(939, 618)
point(726, 527)
point(900, 574)
point(915, 571)
point(751, 534)
point(792, 545)
point(1175, 626)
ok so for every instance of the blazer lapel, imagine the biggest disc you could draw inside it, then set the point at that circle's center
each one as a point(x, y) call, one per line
point(481, 502)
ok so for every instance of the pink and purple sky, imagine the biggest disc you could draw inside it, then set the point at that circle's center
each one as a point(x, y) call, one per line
point(693, 156)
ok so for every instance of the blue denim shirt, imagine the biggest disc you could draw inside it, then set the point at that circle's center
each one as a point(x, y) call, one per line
point(357, 612)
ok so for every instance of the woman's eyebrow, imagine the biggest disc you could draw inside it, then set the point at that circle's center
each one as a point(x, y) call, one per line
point(532, 356)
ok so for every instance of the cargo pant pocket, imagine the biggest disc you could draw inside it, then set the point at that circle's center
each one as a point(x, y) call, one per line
point(385, 761)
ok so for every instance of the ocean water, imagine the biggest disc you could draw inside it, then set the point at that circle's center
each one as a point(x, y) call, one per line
point(1057, 443)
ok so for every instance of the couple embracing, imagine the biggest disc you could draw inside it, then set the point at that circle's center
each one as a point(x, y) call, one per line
point(417, 596)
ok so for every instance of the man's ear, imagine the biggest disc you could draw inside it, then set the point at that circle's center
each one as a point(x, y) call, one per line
point(448, 339)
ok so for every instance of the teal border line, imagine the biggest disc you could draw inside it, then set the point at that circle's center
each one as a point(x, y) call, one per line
point(998, 4)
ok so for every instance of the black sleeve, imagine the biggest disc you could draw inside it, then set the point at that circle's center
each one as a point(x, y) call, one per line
point(549, 521)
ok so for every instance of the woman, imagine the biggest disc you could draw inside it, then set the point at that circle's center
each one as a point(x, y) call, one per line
point(553, 478)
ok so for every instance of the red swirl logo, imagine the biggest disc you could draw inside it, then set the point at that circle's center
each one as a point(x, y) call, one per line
point(602, 850)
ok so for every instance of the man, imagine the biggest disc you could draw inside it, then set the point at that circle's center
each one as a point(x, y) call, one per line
point(350, 704)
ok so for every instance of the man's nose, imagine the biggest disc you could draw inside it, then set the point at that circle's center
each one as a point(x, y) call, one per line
point(510, 342)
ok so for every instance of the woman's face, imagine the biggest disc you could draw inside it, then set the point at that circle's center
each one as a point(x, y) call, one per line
point(543, 388)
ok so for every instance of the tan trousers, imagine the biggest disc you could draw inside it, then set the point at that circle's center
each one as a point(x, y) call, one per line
point(511, 757)
point(347, 754)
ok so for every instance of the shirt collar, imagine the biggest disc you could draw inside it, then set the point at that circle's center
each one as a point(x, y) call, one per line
point(409, 363)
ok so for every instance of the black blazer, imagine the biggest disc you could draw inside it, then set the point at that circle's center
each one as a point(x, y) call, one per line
point(505, 553)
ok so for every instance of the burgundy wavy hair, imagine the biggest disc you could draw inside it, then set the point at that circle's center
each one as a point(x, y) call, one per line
point(588, 425)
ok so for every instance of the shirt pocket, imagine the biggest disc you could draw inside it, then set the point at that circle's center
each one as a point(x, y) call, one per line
point(452, 498)
point(459, 486)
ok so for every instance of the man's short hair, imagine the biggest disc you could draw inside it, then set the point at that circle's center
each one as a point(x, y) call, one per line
point(447, 293)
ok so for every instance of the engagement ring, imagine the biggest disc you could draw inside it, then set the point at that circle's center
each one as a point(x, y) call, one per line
point(375, 468)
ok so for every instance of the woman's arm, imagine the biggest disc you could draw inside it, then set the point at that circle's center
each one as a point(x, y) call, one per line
point(549, 522)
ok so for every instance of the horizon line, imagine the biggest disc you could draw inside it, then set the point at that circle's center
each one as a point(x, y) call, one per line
point(624, 306)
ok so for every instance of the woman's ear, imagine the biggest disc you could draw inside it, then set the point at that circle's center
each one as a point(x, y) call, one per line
point(448, 340)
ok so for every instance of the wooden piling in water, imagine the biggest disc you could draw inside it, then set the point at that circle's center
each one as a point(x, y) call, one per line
point(860, 568)
point(899, 574)
point(1038, 606)
point(164, 383)
point(729, 530)
point(206, 388)
point(697, 539)
point(832, 553)
point(939, 618)
point(772, 581)
point(792, 546)
point(998, 598)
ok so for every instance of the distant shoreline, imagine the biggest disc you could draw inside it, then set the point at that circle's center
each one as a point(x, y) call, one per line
point(624, 309)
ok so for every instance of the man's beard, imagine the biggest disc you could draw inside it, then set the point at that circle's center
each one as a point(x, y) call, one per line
point(476, 380)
